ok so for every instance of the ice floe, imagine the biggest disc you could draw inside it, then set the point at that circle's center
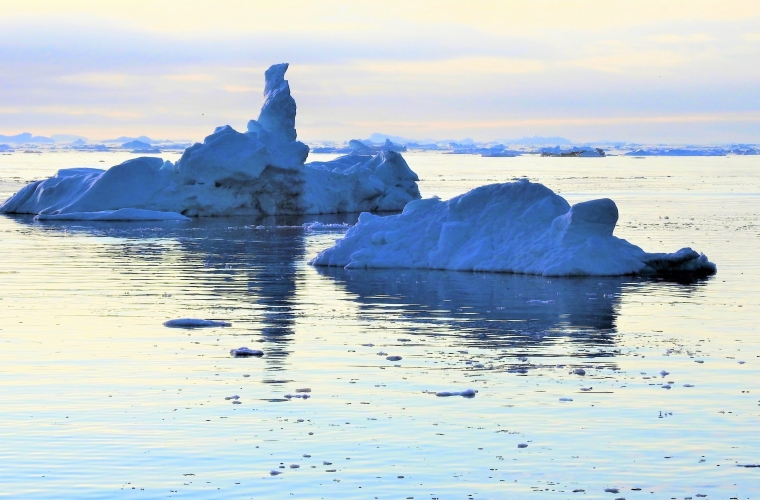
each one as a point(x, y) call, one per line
point(244, 352)
point(467, 393)
point(195, 323)
point(260, 171)
point(517, 227)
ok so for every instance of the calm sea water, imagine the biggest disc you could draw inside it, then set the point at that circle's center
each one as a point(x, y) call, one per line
point(100, 400)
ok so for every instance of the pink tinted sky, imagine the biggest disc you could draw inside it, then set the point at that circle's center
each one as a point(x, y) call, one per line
point(633, 70)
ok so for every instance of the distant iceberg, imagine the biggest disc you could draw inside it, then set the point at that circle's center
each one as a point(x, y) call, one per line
point(518, 227)
point(678, 152)
point(258, 172)
point(577, 152)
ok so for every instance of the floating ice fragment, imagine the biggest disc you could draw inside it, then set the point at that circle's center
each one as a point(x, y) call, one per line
point(275, 472)
point(565, 399)
point(478, 365)
point(579, 371)
point(611, 490)
point(244, 352)
point(404, 340)
point(586, 389)
point(236, 402)
point(295, 466)
point(246, 375)
point(688, 385)
point(306, 456)
point(319, 226)
point(522, 445)
point(523, 359)
point(700, 361)
point(467, 393)
point(665, 386)
point(381, 353)
point(394, 358)
point(326, 463)
point(368, 345)
point(741, 362)
point(305, 389)
point(232, 397)
point(536, 301)
point(194, 323)
point(664, 373)
point(301, 396)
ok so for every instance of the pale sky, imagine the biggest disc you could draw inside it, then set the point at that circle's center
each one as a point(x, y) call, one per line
point(633, 70)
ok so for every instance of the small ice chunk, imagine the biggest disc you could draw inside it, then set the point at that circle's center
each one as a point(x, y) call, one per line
point(274, 472)
point(741, 362)
point(368, 345)
point(295, 466)
point(381, 353)
point(394, 358)
point(301, 396)
point(236, 402)
point(404, 340)
point(306, 456)
point(611, 490)
point(522, 445)
point(194, 323)
point(523, 359)
point(232, 397)
point(664, 373)
point(478, 365)
point(700, 361)
point(305, 389)
point(586, 389)
point(579, 371)
point(246, 375)
point(326, 463)
point(665, 386)
point(688, 385)
point(244, 352)
point(565, 399)
point(467, 393)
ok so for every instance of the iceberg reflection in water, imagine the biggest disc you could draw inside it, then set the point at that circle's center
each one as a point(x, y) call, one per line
point(493, 309)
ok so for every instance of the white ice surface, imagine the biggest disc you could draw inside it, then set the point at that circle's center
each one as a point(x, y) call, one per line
point(258, 172)
point(518, 227)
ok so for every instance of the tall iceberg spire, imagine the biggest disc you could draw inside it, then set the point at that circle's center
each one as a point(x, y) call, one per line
point(278, 113)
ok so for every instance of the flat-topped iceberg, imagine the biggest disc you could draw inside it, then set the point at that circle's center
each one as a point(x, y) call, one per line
point(258, 172)
point(517, 227)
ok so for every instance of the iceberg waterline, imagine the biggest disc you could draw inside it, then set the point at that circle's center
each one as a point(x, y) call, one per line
point(257, 172)
point(517, 227)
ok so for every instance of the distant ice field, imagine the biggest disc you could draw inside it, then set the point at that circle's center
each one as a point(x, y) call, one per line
point(644, 387)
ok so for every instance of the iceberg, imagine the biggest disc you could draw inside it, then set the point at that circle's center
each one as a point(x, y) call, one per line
point(517, 227)
point(259, 172)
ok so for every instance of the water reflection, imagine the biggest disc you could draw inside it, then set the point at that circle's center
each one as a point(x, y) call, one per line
point(496, 310)
point(220, 263)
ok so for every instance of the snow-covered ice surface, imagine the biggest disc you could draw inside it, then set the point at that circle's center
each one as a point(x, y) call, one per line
point(82, 337)
point(515, 227)
point(257, 172)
